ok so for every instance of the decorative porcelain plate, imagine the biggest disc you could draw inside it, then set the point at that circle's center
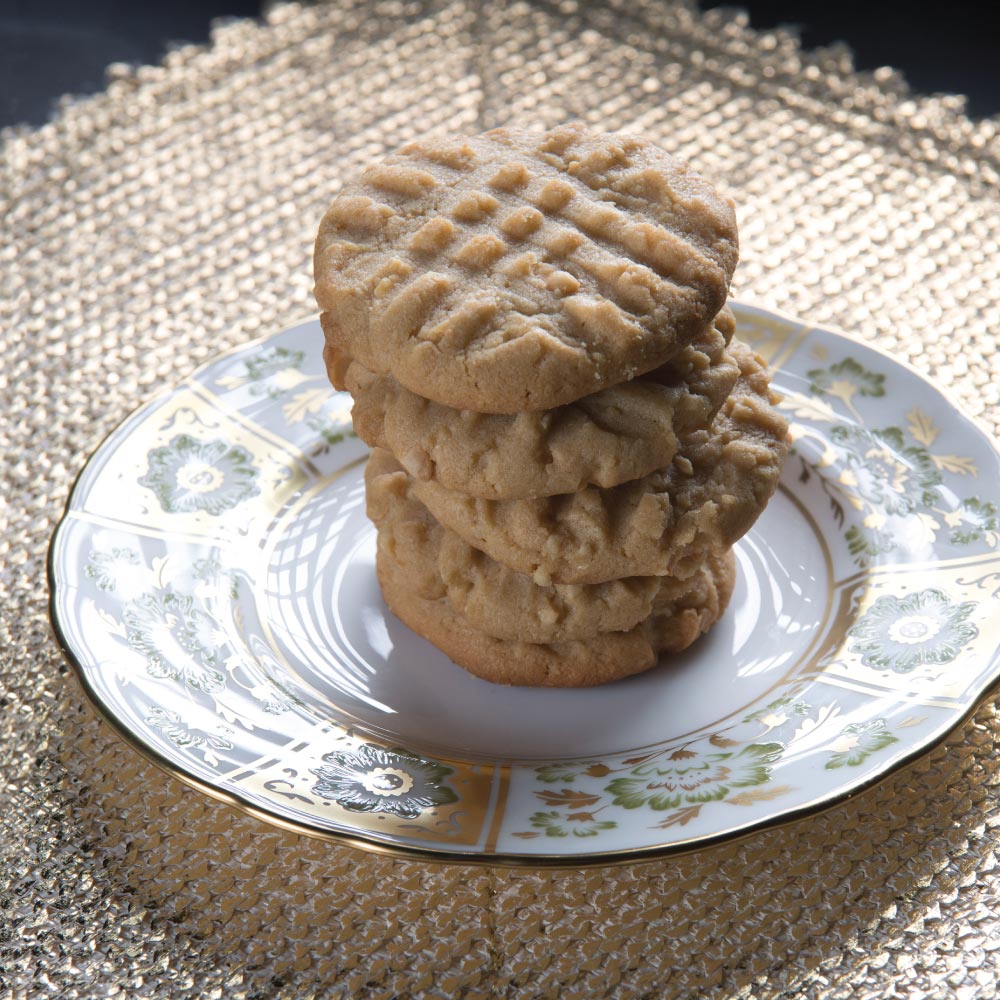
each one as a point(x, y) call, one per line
point(213, 583)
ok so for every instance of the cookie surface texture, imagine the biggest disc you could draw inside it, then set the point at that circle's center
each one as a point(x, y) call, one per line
point(518, 271)
point(620, 433)
point(708, 497)
point(601, 659)
point(489, 596)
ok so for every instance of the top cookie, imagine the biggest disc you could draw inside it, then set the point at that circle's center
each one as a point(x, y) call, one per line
point(517, 270)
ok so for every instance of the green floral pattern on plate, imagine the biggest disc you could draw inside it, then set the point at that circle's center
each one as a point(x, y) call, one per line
point(371, 779)
point(179, 640)
point(902, 633)
point(886, 472)
point(191, 474)
point(726, 768)
point(106, 568)
point(575, 824)
point(892, 476)
point(974, 521)
point(183, 736)
point(858, 742)
point(687, 777)
point(274, 371)
point(280, 374)
point(845, 380)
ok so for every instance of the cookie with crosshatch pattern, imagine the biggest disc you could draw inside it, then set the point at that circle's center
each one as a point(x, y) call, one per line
point(620, 433)
point(520, 270)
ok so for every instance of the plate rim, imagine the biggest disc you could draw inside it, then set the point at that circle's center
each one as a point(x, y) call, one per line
point(362, 841)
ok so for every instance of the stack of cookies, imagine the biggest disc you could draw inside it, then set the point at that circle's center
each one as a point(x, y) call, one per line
point(567, 439)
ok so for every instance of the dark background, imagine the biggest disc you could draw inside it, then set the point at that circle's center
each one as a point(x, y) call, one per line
point(54, 47)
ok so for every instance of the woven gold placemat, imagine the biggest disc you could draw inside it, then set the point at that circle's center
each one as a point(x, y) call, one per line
point(148, 228)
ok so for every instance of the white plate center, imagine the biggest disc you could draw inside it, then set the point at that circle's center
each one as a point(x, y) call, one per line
point(353, 662)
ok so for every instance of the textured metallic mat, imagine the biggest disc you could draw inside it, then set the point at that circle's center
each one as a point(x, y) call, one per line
point(171, 217)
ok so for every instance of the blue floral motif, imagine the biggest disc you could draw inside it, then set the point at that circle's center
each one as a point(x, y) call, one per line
point(371, 779)
point(903, 633)
point(190, 475)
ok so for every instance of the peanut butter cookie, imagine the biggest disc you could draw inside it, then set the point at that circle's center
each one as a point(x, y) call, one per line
point(519, 271)
point(709, 496)
point(490, 597)
point(610, 656)
point(612, 436)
